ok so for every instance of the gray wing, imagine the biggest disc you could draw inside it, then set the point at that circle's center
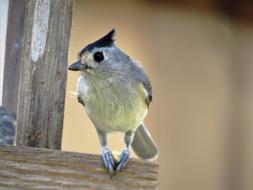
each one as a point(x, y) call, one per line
point(148, 87)
point(142, 78)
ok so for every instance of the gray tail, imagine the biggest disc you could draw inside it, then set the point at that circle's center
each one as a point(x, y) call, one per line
point(143, 145)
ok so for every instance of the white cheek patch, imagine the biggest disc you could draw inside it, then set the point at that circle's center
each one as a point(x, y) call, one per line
point(40, 28)
point(91, 61)
point(87, 59)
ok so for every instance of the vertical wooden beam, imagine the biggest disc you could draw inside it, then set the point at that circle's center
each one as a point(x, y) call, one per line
point(240, 98)
point(3, 23)
point(14, 44)
point(43, 73)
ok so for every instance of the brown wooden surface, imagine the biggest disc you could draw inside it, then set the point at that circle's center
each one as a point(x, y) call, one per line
point(237, 10)
point(14, 44)
point(43, 77)
point(35, 168)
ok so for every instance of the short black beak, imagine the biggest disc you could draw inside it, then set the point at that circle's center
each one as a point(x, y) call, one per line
point(77, 66)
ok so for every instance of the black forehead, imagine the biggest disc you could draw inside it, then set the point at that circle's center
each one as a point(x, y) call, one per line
point(105, 41)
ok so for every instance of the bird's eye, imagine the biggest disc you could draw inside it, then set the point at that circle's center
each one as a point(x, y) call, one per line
point(98, 56)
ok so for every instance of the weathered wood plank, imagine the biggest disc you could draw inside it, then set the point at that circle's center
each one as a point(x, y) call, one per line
point(35, 168)
point(4, 4)
point(14, 44)
point(43, 73)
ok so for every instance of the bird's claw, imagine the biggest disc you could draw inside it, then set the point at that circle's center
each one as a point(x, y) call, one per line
point(124, 158)
point(113, 167)
point(108, 160)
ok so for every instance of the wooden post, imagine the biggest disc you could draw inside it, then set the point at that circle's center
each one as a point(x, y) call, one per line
point(4, 4)
point(43, 73)
point(14, 44)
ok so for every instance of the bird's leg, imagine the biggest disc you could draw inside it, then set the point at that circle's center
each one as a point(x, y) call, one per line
point(125, 154)
point(106, 152)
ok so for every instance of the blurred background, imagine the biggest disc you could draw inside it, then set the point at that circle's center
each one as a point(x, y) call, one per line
point(199, 57)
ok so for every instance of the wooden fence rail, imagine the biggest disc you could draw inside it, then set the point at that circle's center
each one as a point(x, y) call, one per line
point(44, 169)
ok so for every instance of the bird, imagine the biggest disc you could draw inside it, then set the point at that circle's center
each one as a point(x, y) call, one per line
point(116, 93)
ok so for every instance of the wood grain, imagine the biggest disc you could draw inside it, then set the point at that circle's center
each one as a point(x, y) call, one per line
point(4, 4)
point(43, 73)
point(14, 44)
point(36, 168)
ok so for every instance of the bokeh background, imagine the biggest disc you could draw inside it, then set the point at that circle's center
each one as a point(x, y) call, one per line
point(199, 56)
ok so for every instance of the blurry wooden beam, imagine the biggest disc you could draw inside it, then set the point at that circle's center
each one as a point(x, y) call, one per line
point(240, 97)
point(14, 44)
point(4, 4)
point(238, 10)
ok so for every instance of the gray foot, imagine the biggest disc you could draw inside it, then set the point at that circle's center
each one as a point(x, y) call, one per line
point(108, 159)
point(124, 158)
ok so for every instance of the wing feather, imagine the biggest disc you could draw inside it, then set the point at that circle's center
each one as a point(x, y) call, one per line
point(143, 79)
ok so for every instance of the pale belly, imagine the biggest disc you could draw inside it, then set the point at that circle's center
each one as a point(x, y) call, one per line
point(116, 118)
point(113, 109)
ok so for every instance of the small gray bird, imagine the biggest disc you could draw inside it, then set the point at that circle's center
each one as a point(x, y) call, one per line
point(116, 94)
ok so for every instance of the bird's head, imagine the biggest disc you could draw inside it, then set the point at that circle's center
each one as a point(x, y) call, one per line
point(102, 58)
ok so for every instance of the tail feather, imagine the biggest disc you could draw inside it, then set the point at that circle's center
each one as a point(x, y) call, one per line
point(143, 144)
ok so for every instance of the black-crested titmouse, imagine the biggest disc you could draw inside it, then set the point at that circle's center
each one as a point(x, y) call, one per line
point(116, 94)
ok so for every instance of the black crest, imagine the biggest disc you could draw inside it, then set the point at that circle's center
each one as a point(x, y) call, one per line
point(105, 41)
